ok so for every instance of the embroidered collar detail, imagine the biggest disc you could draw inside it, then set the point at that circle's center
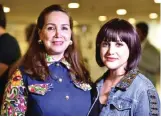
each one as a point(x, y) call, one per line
point(81, 85)
point(49, 59)
point(84, 86)
point(128, 79)
point(66, 63)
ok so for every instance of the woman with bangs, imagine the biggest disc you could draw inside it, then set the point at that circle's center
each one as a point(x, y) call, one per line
point(122, 90)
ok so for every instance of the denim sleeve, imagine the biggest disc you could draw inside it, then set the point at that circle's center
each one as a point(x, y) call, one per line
point(148, 104)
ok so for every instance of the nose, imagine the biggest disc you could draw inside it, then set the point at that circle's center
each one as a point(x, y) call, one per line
point(111, 50)
point(57, 33)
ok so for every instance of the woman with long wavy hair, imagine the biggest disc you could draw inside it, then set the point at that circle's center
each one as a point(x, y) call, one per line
point(51, 78)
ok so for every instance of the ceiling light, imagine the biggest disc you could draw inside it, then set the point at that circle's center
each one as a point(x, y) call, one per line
point(153, 15)
point(121, 12)
point(157, 1)
point(6, 9)
point(84, 28)
point(73, 5)
point(102, 18)
point(132, 20)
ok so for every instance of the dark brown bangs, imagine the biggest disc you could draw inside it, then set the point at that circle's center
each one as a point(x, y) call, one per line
point(110, 35)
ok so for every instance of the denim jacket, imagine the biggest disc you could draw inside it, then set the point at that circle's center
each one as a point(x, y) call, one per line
point(134, 95)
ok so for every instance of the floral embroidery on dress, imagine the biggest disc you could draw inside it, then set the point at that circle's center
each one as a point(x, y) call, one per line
point(40, 88)
point(16, 78)
point(66, 63)
point(81, 85)
point(15, 96)
point(49, 59)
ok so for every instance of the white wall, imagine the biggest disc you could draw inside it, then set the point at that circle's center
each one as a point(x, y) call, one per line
point(155, 34)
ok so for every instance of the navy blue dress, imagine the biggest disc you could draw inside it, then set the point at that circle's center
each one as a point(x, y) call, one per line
point(63, 98)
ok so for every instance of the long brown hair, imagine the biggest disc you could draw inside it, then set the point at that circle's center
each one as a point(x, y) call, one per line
point(34, 62)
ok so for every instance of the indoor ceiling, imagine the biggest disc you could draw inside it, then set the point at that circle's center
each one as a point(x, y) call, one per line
point(27, 11)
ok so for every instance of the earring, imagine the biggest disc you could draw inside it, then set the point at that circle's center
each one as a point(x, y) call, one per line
point(71, 42)
point(40, 41)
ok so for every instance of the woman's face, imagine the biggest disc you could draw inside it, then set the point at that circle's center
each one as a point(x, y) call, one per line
point(114, 54)
point(56, 33)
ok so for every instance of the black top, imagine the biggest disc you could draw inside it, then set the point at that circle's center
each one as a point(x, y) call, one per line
point(97, 108)
point(9, 54)
point(9, 49)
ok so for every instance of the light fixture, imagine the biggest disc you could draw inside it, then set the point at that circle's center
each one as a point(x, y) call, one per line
point(84, 28)
point(121, 11)
point(6, 9)
point(153, 15)
point(102, 18)
point(132, 20)
point(36, 21)
point(73, 5)
point(157, 1)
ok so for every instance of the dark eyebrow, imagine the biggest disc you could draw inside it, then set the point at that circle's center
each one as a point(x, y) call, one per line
point(54, 24)
point(49, 24)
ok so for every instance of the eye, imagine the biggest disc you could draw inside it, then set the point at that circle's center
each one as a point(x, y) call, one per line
point(105, 44)
point(50, 28)
point(65, 28)
point(119, 44)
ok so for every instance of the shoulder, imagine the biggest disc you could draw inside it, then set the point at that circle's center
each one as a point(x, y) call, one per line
point(144, 87)
point(141, 85)
point(7, 35)
point(18, 76)
point(7, 38)
point(147, 95)
point(15, 82)
point(143, 81)
point(8, 41)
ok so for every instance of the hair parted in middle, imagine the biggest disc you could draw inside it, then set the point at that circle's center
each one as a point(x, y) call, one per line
point(121, 28)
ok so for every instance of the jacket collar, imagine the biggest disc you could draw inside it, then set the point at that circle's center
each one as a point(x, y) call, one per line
point(50, 60)
point(127, 79)
point(124, 83)
point(82, 85)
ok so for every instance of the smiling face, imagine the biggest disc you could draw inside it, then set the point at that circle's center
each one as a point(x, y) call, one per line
point(56, 33)
point(114, 55)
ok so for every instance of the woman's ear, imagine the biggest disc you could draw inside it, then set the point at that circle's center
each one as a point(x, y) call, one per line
point(71, 42)
point(40, 34)
point(39, 31)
